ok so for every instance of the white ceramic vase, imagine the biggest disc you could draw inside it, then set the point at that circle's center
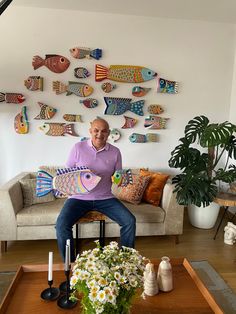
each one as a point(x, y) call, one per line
point(203, 217)
point(164, 275)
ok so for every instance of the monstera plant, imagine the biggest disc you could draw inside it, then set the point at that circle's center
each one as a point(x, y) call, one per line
point(202, 169)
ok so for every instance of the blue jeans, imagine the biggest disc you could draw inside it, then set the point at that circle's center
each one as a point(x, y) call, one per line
point(74, 209)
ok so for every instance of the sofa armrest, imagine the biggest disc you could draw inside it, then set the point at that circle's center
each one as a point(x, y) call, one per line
point(173, 211)
point(11, 201)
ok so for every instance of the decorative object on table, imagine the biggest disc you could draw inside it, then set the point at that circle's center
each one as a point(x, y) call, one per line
point(155, 122)
point(34, 83)
point(77, 88)
point(230, 233)
point(143, 138)
point(164, 275)
point(69, 181)
point(117, 106)
point(108, 87)
point(89, 102)
point(81, 52)
point(108, 278)
point(46, 112)
point(150, 281)
point(129, 122)
point(139, 91)
point(21, 123)
point(155, 109)
point(196, 186)
point(124, 73)
point(122, 177)
point(81, 72)
point(14, 98)
point(58, 129)
point(165, 86)
point(72, 117)
point(54, 63)
point(114, 135)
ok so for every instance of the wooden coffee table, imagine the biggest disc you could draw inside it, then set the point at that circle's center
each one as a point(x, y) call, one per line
point(188, 296)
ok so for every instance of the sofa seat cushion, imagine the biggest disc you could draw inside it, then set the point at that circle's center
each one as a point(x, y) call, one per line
point(40, 214)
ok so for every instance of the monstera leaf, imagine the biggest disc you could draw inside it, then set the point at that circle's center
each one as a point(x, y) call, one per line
point(217, 134)
point(195, 128)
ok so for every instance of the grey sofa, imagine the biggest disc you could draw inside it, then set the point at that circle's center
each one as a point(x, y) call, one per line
point(38, 220)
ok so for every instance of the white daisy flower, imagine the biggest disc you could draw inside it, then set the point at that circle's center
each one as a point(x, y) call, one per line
point(101, 296)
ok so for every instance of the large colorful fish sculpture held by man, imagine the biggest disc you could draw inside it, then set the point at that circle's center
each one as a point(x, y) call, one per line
point(122, 177)
point(13, 98)
point(54, 63)
point(80, 53)
point(21, 123)
point(155, 122)
point(124, 73)
point(165, 86)
point(143, 138)
point(68, 181)
point(117, 106)
point(77, 88)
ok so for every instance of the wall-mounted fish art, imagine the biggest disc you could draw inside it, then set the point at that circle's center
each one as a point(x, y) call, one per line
point(81, 72)
point(155, 122)
point(129, 122)
point(84, 138)
point(108, 87)
point(139, 91)
point(89, 102)
point(143, 138)
point(13, 98)
point(46, 112)
point(58, 129)
point(77, 88)
point(155, 109)
point(114, 135)
point(21, 123)
point(124, 73)
point(34, 83)
point(118, 106)
point(54, 63)
point(81, 52)
point(165, 86)
point(72, 117)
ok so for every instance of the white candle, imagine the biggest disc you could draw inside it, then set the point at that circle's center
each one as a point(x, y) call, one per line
point(50, 259)
point(67, 258)
point(68, 243)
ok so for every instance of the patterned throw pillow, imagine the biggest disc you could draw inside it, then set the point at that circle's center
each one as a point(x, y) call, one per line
point(28, 187)
point(132, 193)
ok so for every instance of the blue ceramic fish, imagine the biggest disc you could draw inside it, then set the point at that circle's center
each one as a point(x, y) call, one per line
point(165, 86)
point(117, 106)
point(143, 138)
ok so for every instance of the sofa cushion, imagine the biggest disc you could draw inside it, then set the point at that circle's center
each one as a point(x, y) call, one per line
point(28, 187)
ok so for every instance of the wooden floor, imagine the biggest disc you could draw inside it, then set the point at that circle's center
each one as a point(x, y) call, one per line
point(195, 244)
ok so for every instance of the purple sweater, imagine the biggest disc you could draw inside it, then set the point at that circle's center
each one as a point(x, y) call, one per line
point(103, 163)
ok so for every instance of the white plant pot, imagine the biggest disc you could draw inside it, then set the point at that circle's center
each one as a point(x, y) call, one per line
point(203, 217)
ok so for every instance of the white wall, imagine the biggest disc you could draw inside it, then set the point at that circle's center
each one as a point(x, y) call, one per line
point(199, 55)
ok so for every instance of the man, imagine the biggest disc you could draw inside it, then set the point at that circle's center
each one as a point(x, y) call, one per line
point(103, 159)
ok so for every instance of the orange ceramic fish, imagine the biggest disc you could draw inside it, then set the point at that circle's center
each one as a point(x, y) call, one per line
point(21, 123)
point(54, 63)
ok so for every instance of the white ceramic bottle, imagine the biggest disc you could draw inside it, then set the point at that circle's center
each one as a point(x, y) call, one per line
point(150, 280)
point(164, 275)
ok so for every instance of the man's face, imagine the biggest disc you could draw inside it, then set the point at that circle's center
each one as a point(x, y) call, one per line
point(99, 133)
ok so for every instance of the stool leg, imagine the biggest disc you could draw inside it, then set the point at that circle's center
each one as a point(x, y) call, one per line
point(102, 233)
point(76, 239)
point(226, 207)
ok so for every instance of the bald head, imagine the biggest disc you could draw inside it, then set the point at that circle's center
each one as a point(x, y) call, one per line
point(99, 131)
point(101, 122)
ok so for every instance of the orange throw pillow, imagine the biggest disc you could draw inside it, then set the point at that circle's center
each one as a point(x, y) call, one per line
point(154, 189)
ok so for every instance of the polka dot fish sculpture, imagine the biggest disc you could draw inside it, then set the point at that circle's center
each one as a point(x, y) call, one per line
point(117, 106)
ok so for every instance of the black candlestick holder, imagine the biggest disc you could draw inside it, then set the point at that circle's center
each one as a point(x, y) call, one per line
point(64, 302)
point(51, 293)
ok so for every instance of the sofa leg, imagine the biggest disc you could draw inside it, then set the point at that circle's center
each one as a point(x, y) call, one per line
point(3, 246)
point(176, 239)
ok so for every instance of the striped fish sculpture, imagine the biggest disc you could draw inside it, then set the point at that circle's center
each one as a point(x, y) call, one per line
point(117, 106)
point(13, 98)
point(165, 86)
point(69, 181)
point(34, 83)
point(129, 122)
point(143, 138)
point(155, 122)
point(122, 177)
point(46, 112)
point(77, 88)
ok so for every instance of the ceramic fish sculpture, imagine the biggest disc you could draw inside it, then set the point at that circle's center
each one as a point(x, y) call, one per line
point(155, 109)
point(114, 135)
point(21, 123)
point(13, 98)
point(77, 88)
point(80, 53)
point(124, 73)
point(89, 102)
point(129, 122)
point(108, 87)
point(46, 112)
point(139, 91)
point(54, 63)
point(122, 177)
point(34, 83)
point(165, 86)
point(81, 72)
point(58, 129)
point(72, 117)
point(155, 122)
point(117, 106)
point(68, 181)
point(143, 138)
